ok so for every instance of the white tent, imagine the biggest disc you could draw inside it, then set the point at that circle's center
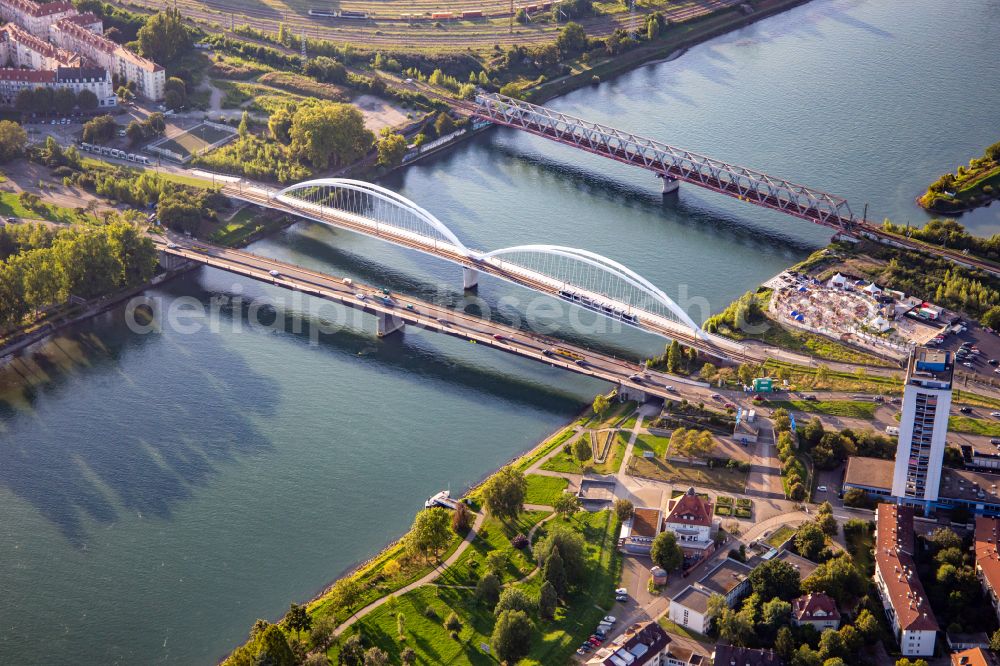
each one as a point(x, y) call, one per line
point(873, 289)
point(838, 281)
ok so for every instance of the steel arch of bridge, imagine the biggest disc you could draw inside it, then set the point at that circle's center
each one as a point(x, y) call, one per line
point(320, 188)
point(668, 161)
point(410, 221)
point(608, 266)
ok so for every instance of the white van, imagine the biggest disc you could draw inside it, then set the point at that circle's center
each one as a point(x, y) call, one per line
point(892, 430)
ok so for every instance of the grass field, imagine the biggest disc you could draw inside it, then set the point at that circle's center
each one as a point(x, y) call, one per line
point(494, 536)
point(194, 140)
point(856, 409)
point(552, 641)
point(779, 536)
point(568, 464)
point(544, 489)
point(648, 442)
point(973, 426)
point(11, 206)
point(721, 478)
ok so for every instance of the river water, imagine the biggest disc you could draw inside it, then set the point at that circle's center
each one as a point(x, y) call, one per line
point(158, 492)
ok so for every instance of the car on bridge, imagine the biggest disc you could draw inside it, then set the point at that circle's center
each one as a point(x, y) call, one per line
point(274, 273)
point(499, 338)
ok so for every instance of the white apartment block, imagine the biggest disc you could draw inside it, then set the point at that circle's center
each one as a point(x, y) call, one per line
point(73, 39)
point(94, 79)
point(19, 48)
point(923, 426)
point(150, 78)
point(35, 17)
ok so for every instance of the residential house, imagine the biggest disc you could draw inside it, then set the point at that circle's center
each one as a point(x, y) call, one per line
point(689, 517)
point(817, 609)
point(974, 657)
point(731, 655)
point(988, 559)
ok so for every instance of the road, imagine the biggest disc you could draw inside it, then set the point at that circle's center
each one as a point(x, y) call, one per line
point(422, 314)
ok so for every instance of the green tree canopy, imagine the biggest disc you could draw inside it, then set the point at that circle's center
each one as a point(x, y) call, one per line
point(775, 578)
point(329, 134)
point(13, 139)
point(511, 639)
point(665, 551)
point(163, 37)
point(504, 492)
point(431, 532)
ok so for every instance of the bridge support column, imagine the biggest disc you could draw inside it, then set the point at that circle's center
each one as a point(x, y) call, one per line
point(669, 184)
point(388, 324)
point(626, 393)
point(470, 278)
point(171, 262)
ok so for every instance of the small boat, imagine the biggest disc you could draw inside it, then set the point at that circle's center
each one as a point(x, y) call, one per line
point(442, 499)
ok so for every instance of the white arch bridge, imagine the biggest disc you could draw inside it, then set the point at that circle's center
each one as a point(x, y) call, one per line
point(578, 276)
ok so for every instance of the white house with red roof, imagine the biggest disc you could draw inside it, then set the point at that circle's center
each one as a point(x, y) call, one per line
point(817, 609)
point(689, 517)
point(898, 585)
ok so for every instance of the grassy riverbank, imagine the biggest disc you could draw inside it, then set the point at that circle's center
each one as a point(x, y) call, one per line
point(970, 186)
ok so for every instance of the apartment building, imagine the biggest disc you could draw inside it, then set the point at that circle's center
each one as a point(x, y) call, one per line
point(36, 17)
point(899, 587)
point(19, 48)
point(150, 78)
point(94, 79)
point(988, 559)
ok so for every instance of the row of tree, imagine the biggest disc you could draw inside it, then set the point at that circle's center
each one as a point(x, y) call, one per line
point(60, 101)
point(45, 267)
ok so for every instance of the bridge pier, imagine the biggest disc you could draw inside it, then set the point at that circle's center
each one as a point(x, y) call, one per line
point(669, 184)
point(170, 262)
point(626, 393)
point(470, 278)
point(388, 324)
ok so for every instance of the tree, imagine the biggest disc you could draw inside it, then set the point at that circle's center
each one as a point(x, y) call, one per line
point(831, 644)
point(554, 572)
point(511, 639)
point(571, 548)
point(408, 656)
point(244, 128)
point(775, 613)
point(329, 134)
point(827, 523)
point(784, 644)
point(908, 662)
point(666, 553)
point(572, 39)
point(503, 493)
point(775, 578)
point(279, 125)
point(496, 562)
point(810, 541)
point(488, 589)
point(443, 124)
point(431, 532)
point(163, 36)
point(735, 627)
point(460, 518)
point(514, 599)
point(269, 646)
point(673, 356)
point(581, 448)
point(63, 100)
point(99, 130)
point(837, 577)
point(346, 593)
point(601, 404)
point(86, 100)
point(567, 504)
point(13, 139)
point(326, 70)
point(375, 656)
point(867, 626)
point(297, 619)
point(352, 652)
point(452, 623)
point(623, 509)
point(995, 641)
point(391, 148)
point(548, 600)
point(806, 656)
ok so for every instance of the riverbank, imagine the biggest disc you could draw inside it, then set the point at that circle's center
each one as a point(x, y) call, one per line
point(968, 188)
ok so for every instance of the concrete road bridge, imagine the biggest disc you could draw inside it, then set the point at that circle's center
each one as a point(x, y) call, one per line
point(395, 311)
point(577, 276)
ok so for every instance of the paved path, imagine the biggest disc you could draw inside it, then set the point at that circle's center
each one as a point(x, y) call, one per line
point(430, 577)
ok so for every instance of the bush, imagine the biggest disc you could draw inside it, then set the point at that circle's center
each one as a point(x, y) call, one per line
point(452, 623)
point(520, 541)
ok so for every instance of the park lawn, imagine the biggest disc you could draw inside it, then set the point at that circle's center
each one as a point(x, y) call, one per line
point(374, 582)
point(553, 641)
point(649, 442)
point(544, 489)
point(973, 426)
point(857, 409)
point(686, 474)
point(494, 535)
point(614, 414)
point(780, 536)
point(567, 463)
point(10, 206)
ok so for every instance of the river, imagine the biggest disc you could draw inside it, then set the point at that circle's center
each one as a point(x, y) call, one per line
point(159, 492)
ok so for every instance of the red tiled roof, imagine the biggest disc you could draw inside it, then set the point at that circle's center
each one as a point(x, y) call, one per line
point(806, 607)
point(974, 657)
point(39, 8)
point(84, 20)
point(689, 509)
point(29, 75)
point(645, 522)
point(987, 556)
point(894, 560)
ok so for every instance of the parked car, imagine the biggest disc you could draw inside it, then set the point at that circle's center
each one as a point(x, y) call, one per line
point(995, 441)
point(716, 396)
point(610, 619)
point(965, 410)
point(994, 414)
point(822, 489)
point(811, 398)
point(967, 364)
point(993, 361)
